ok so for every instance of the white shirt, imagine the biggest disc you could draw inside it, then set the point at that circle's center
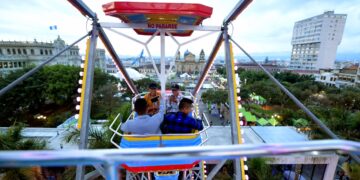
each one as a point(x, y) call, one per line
point(145, 124)
point(172, 106)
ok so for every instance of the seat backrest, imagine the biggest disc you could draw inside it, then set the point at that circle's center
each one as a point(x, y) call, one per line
point(160, 141)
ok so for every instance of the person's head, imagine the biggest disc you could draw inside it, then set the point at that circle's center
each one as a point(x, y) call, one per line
point(185, 105)
point(152, 89)
point(175, 89)
point(141, 106)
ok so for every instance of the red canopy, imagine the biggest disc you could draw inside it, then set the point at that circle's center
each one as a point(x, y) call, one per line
point(159, 15)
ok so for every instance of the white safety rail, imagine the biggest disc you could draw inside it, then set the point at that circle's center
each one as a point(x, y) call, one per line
point(112, 158)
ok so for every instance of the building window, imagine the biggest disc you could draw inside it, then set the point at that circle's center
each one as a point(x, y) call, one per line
point(19, 63)
point(19, 51)
point(1, 65)
point(5, 64)
point(50, 51)
point(14, 51)
point(32, 52)
point(23, 63)
point(10, 64)
point(41, 52)
point(24, 51)
point(8, 51)
point(15, 64)
point(46, 52)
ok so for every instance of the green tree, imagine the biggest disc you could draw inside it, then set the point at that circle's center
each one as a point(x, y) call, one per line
point(13, 140)
point(260, 170)
point(215, 96)
point(221, 70)
point(52, 92)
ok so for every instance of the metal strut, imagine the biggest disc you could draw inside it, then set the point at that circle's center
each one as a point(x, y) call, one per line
point(85, 104)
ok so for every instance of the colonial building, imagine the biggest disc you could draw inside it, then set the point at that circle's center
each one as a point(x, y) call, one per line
point(17, 54)
point(189, 64)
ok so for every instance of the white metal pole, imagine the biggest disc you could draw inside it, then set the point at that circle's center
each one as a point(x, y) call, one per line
point(162, 61)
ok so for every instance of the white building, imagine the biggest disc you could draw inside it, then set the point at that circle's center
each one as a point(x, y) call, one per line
point(349, 76)
point(110, 66)
point(315, 41)
point(100, 60)
point(17, 54)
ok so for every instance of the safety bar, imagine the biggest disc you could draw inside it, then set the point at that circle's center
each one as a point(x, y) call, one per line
point(116, 132)
point(118, 156)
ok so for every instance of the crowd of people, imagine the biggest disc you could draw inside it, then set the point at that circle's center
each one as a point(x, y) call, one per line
point(156, 114)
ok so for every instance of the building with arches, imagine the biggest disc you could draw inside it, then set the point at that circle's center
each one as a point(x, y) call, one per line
point(189, 64)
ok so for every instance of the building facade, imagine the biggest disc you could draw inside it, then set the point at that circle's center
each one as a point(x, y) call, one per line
point(340, 78)
point(315, 41)
point(189, 64)
point(15, 55)
point(254, 67)
point(100, 60)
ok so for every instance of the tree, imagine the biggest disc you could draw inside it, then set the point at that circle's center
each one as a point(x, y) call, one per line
point(260, 170)
point(215, 96)
point(52, 92)
point(13, 140)
point(221, 70)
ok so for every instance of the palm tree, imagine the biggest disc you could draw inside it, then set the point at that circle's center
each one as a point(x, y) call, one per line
point(13, 140)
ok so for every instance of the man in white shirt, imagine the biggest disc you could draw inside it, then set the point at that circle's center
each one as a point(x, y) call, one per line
point(143, 123)
point(172, 104)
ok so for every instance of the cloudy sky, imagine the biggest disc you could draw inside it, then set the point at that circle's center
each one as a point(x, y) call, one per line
point(264, 27)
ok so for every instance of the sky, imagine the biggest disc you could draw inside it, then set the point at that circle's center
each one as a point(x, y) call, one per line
point(264, 27)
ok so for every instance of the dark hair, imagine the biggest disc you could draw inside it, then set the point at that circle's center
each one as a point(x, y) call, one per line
point(175, 87)
point(185, 102)
point(140, 106)
point(152, 86)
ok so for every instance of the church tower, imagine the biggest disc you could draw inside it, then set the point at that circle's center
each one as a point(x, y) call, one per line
point(202, 55)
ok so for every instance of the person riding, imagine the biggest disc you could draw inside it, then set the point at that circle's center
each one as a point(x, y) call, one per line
point(152, 99)
point(181, 122)
point(143, 123)
point(174, 99)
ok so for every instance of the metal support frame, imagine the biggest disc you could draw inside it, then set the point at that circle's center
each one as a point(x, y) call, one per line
point(83, 8)
point(232, 99)
point(86, 104)
point(117, 60)
point(37, 68)
point(240, 7)
point(322, 126)
point(86, 11)
point(145, 44)
point(163, 76)
point(216, 169)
